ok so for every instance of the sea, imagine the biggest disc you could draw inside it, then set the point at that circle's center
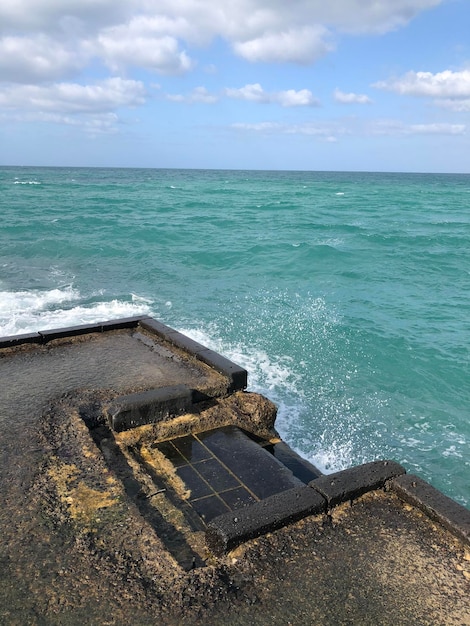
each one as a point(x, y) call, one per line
point(345, 295)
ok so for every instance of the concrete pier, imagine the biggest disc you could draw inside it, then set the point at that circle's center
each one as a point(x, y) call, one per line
point(141, 483)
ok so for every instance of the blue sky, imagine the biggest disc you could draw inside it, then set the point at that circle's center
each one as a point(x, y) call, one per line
point(368, 85)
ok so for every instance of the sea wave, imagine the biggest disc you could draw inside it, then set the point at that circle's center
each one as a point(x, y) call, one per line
point(33, 310)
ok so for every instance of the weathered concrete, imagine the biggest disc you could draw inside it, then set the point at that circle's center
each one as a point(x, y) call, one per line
point(149, 407)
point(435, 504)
point(351, 483)
point(231, 529)
point(17, 340)
point(98, 528)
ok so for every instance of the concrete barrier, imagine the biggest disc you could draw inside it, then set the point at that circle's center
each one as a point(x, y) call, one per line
point(355, 481)
point(149, 407)
point(227, 531)
point(434, 504)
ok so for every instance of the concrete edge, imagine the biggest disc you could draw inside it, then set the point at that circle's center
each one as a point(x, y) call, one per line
point(149, 407)
point(17, 340)
point(351, 483)
point(43, 336)
point(237, 375)
point(83, 329)
point(437, 506)
point(229, 530)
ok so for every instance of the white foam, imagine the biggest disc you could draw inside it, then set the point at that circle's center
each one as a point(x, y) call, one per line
point(33, 310)
point(266, 374)
point(279, 378)
point(276, 378)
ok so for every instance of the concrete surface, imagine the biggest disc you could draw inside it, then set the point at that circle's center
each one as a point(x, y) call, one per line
point(98, 528)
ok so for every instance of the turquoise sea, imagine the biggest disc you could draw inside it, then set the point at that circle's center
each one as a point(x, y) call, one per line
point(345, 295)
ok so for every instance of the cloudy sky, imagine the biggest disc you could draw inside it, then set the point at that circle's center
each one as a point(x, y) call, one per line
point(378, 85)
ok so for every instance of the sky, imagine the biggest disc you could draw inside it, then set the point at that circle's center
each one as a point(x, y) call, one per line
point(355, 85)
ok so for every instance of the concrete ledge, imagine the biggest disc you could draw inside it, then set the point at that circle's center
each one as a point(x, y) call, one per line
point(149, 407)
point(436, 505)
point(16, 340)
point(68, 331)
point(83, 329)
point(227, 531)
point(237, 375)
point(352, 483)
point(156, 327)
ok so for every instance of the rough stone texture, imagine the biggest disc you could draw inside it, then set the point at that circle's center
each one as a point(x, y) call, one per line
point(229, 530)
point(249, 411)
point(435, 504)
point(352, 483)
point(379, 562)
point(148, 407)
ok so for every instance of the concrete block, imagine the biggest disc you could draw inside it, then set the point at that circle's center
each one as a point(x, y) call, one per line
point(16, 340)
point(352, 483)
point(98, 327)
point(437, 506)
point(69, 331)
point(237, 375)
point(149, 407)
point(227, 531)
point(154, 326)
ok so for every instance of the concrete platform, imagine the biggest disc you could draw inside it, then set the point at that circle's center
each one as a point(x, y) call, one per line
point(141, 483)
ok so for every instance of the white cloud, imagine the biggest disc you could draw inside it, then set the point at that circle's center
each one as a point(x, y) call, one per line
point(159, 54)
point(148, 42)
point(323, 131)
point(259, 127)
point(289, 98)
point(372, 16)
point(92, 108)
point(198, 95)
point(96, 124)
point(295, 45)
point(398, 128)
point(55, 15)
point(292, 98)
point(38, 58)
point(251, 93)
point(461, 106)
point(445, 84)
point(334, 129)
point(157, 34)
point(437, 129)
point(71, 101)
point(350, 98)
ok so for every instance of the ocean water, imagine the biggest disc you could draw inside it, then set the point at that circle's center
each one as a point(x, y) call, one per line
point(345, 295)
